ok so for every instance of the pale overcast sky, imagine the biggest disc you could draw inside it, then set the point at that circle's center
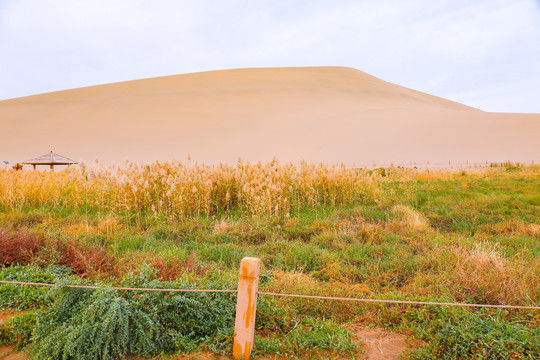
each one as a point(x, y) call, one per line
point(484, 53)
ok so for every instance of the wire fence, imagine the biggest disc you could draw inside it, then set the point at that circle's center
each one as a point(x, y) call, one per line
point(407, 302)
point(450, 165)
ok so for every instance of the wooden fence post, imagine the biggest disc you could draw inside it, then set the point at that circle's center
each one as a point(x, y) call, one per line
point(246, 307)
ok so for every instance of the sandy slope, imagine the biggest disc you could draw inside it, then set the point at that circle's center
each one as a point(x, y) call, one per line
point(329, 114)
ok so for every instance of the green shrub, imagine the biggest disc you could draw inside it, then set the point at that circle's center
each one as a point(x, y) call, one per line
point(20, 297)
point(109, 324)
point(92, 325)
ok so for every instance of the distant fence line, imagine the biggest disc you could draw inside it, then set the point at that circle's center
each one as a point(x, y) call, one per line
point(447, 165)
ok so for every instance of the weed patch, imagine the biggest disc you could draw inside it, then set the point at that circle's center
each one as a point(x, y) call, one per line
point(480, 337)
point(307, 335)
point(18, 330)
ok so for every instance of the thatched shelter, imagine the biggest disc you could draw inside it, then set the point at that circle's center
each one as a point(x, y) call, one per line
point(50, 159)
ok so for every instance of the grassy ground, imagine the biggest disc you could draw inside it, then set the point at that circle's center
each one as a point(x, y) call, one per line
point(400, 234)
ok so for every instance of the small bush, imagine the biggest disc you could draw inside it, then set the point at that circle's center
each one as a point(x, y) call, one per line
point(108, 324)
point(86, 260)
point(170, 269)
point(19, 247)
point(92, 325)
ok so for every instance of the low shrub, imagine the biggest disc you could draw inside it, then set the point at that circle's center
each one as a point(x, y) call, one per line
point(19, 247)
point(108, 324)
point(171, 268)
point(85, 259)
point(92, 325)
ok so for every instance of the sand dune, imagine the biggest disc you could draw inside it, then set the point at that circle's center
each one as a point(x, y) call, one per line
point(328, 114)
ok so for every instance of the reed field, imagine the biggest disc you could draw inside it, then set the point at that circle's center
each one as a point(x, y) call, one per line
point(389, 233)
point(175, 191)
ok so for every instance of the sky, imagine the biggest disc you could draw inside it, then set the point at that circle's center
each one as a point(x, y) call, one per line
point(483, 53)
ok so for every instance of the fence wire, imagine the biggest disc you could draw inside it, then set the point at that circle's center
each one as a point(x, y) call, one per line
point(119, 288)
point(400, 301)
point(407, 302)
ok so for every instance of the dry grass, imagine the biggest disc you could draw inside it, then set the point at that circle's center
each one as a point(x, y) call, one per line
point(484, 273)
point(513, 227)
point(109, 225)
point(410, 218)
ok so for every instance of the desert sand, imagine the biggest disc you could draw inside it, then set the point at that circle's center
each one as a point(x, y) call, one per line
point(317, 114)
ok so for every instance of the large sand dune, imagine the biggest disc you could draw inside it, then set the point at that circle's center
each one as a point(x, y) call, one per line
point(328, 114)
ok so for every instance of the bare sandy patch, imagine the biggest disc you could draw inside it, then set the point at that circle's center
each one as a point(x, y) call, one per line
point(380, 344)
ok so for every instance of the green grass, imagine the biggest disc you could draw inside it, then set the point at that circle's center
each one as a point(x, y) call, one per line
point(472, 238)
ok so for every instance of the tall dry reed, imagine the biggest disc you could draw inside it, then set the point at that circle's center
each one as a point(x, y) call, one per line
point(176, 190)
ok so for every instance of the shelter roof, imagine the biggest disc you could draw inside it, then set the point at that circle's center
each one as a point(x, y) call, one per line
point(50, 159)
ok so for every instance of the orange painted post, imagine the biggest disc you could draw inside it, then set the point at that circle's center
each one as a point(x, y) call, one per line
point(246, 306)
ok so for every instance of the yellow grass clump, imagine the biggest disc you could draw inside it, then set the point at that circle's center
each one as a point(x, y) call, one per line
point(494, 278)
point(410, 217)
